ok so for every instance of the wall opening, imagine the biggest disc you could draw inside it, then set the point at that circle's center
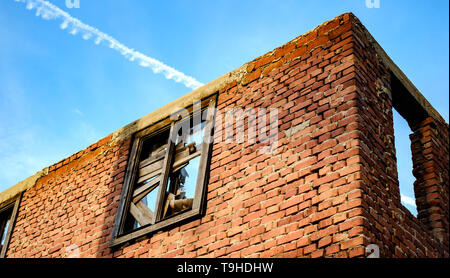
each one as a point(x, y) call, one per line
point(403, 154)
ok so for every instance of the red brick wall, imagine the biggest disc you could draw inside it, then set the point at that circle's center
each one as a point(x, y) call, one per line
point(430, 148)
point(303, 200)
point(388, 223)
point(75, 204)
point(329, 189)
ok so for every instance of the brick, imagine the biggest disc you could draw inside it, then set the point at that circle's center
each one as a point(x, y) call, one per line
point(317, 42)
point(325, 241)
point(264, 61)
point(317, 254)
point(282, 51)
point(340, 30)
point(291, 202)
point(332, 249)
point(351, 223)
point(327, 28)
point(310, 248)
point(251, 77)
point(357, 252)
point(354, 242)
point(296, 53)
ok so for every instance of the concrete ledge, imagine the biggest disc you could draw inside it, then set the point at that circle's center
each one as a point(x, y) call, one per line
point(22, 186)
point(398, 73)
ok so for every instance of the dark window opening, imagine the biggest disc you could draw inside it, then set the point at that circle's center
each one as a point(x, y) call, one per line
point(143, 203)
point(7, 218)
point(166, 176)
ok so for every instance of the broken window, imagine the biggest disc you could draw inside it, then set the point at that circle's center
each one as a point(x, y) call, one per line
point(167, 174)
point(8, 214)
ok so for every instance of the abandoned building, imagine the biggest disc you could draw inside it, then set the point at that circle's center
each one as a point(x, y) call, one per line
point(319, 181)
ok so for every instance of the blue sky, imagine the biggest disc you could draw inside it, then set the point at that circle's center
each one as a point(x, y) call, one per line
point(60, 93)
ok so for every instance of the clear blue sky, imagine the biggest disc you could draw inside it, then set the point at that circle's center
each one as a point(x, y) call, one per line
point(60, 93)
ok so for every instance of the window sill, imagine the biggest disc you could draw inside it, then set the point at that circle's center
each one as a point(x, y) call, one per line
point(153, 228)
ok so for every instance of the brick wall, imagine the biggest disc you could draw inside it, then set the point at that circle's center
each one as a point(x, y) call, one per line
point(74, 205)
point(389, 224)
point(329, 189)
point(430, 148)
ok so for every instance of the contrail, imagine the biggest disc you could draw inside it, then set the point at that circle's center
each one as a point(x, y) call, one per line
point(48, 11)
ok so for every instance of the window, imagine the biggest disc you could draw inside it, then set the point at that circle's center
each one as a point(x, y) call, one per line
point(404, 162)
point(407, 114)
point(167, 173)
point(8, 214)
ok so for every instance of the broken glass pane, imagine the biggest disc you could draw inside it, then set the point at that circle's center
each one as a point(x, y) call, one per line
point(5, 219)
point(147, 205)
point(183, 177)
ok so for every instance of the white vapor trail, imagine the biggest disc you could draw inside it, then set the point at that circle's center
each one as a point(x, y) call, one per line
point(48, 11)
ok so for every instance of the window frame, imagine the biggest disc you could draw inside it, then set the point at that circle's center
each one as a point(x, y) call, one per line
point(14, 203)
point(119, 236)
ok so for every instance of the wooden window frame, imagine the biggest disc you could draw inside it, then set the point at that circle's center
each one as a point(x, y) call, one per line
point(119, 236)
point(14, 204)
